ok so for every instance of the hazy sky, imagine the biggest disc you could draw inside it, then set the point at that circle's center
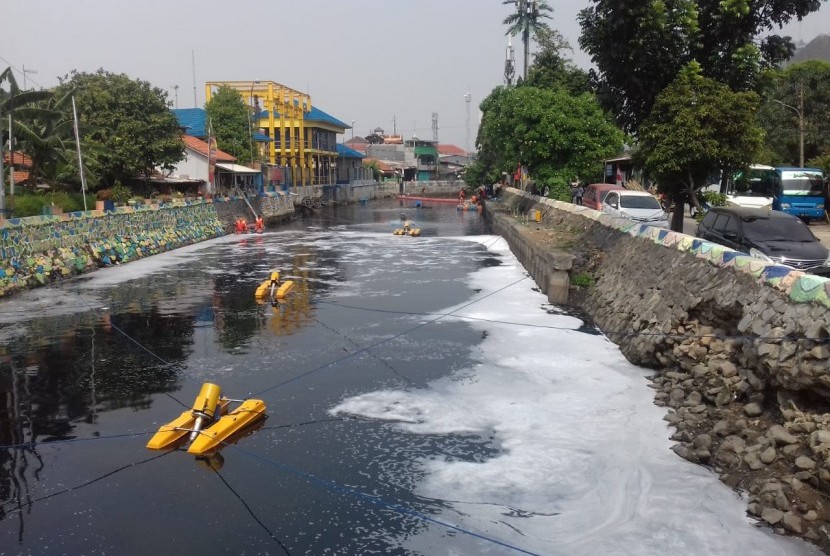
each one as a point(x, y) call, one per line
point(379, 63)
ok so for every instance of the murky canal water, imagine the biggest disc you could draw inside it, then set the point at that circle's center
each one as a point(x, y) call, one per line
point(422, 399)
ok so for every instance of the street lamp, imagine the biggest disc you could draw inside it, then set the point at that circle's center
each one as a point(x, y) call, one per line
point(251, 117)
point(800, 130)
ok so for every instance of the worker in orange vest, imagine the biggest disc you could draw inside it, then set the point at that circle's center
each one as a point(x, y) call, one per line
point(259, 224)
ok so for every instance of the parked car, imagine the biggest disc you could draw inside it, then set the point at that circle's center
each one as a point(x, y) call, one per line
point(640, 206)
point(769, 235)
point(595, 194)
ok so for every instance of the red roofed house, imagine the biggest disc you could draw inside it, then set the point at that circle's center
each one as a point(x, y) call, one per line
point(21, 163)
point(192, 172)
point(451, 161)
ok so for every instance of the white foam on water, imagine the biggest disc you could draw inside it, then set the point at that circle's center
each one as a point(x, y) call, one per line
point(584, 466)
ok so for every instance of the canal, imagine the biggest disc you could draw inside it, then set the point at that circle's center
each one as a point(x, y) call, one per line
point(422, 398)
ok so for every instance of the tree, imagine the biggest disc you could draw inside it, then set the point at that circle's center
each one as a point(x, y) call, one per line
point(556, 136)
point(801, 89)
point(230, 119)
point(527, 20)
point(639, 46)
point(697, 126)
point(45, 134)
point(125, 125)
point(13, 102)
point(551, 69)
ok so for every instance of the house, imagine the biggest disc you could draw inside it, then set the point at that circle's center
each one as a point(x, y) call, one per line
point(358, 144)
point(191, 175)
point(300, 138)
point(451, 161)
point(20, 164)
point(350, 166)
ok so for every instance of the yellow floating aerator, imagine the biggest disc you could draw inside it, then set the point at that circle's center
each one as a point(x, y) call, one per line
point(407, 230)
point(273, 289)
point(208, 423)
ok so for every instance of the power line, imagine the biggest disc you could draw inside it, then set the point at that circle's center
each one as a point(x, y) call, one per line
point(22, 72)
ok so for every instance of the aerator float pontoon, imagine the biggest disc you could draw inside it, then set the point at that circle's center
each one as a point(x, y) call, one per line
point(208, 425)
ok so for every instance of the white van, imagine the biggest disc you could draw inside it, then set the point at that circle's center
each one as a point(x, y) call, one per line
point(640, 206)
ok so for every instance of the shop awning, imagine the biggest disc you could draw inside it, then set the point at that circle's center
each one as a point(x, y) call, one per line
point(236, 168)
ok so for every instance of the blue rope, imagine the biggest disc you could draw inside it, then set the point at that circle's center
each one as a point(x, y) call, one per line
point(330, 485)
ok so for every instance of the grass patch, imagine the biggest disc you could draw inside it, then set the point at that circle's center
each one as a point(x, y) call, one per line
point(583, 280)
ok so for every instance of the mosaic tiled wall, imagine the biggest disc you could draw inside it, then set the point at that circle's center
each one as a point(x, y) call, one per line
point(798, 285)
point(41, 249)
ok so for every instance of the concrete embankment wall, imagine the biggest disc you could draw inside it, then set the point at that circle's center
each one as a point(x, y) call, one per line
point(41, 249)
point(741, 348)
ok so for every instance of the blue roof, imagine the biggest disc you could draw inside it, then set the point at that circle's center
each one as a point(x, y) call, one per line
point(317, 115)
point(348, 152)
point(192, 120)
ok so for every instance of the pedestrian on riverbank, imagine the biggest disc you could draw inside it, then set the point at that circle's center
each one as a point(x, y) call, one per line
point(580, 191)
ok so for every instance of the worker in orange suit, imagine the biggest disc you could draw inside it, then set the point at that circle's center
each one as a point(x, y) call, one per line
point(259, 225)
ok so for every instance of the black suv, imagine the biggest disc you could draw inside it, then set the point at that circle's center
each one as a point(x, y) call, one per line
point(769, 235)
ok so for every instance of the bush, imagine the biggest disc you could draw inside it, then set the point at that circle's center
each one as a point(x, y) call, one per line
point(583, 280)
point(31, 203)
point(715, 199)
point(121, 194)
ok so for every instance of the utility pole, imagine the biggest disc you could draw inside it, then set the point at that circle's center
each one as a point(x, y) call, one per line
point(193, 64)
point(467, 98)
point(2, 175)
point(25, 71)
point(801, 123)
point(800, 113)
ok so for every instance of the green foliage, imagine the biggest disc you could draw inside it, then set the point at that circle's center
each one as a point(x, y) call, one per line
point(697, 126)
point(583, 280)
point(527, 21)
point(120, 193)
point(715, 199)
point(41, 128)
point(821, 161)
point(552, 70)
point(126, 126)
point(782, 122)
point(32, 203)
point(26, 205)
point(558, 137)
point(229, 117)
point(639, 46)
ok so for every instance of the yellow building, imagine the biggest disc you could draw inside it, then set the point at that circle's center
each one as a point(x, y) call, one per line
point(302, 139)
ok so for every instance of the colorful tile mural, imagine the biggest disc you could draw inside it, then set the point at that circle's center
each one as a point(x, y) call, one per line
point(41, 249)
point(799, 286)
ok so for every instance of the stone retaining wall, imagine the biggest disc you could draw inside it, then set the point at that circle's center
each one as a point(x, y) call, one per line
point(274, 207)
point(741, 349)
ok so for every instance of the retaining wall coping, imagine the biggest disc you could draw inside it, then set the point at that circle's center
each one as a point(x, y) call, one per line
point(801, 287)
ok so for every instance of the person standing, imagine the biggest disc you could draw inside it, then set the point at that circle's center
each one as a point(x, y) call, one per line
point(578, 193)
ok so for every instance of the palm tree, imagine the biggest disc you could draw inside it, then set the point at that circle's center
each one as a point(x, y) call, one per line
point(527, 20)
